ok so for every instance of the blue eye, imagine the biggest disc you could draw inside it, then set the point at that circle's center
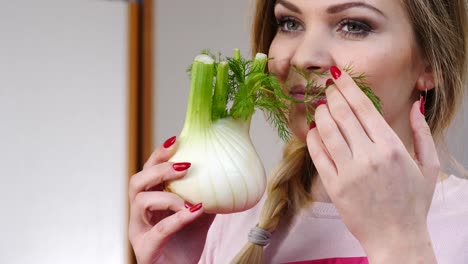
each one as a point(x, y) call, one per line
point(354, 28)
point(288, 24)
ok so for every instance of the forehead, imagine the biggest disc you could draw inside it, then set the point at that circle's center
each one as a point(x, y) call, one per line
point(395, 7)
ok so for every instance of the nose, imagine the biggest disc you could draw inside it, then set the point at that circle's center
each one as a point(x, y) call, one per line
point(312, 53)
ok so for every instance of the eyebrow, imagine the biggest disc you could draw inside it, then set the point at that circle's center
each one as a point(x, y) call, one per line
point(332, 9)
point(341, 7)
point(289, 6)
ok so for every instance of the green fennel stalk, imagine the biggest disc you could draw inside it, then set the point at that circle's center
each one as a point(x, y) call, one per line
point(240, 87)
point(359, 79)
point(236, 87)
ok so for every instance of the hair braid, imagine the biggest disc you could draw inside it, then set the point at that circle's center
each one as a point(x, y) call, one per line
point(288, 190)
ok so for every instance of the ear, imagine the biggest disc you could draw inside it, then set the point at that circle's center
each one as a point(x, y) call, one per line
point(426, 80)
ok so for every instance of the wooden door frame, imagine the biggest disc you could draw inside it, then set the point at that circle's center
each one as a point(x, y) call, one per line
point(140, 88)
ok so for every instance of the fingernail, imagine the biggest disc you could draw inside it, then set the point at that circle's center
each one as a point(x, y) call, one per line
point(196, 207)
point(170, 142)
point(312, 125)
point(181, 166)
point(187, 204)
point(422, 104)
point(329, 82)
point(321, 102)
point(335, 72)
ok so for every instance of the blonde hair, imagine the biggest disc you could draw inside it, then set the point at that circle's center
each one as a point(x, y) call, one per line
point(288, 190)
point(441, 30)
point(440, 27)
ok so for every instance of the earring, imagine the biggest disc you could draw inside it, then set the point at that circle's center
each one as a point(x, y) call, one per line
point(422, 102)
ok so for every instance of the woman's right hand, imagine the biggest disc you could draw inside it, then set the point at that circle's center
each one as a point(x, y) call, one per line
point(164, 228)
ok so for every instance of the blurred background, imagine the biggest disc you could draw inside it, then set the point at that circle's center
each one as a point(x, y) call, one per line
point(63, 131)
point(87, 89)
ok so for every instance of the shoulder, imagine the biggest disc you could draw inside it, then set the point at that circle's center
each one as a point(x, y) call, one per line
point(248, 218)
point(447, 220)
point(228, 234)
point(451, 195)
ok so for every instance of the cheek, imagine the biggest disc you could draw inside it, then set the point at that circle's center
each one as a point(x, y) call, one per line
point(391, 75)
point(280, 52)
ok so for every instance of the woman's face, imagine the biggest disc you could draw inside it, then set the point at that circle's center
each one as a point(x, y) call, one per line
point(375, 37)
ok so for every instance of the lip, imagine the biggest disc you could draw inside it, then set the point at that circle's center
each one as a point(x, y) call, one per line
point(298, 92)
point(297, 89)
point(319, 100)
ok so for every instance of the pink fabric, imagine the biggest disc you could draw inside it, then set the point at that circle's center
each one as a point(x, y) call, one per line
point(317, 234)
point(358, 260)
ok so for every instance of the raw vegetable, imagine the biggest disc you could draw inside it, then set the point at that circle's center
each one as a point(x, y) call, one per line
point(227, 174)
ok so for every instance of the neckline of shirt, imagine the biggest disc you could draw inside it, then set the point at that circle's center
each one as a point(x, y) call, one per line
point(328, 210)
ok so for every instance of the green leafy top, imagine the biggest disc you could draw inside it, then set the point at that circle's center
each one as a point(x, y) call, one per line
point(241, 86)
point(248, 87)
point(359, 79)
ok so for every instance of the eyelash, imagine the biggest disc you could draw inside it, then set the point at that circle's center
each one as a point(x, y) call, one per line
point(365, 28)
point(281, 22)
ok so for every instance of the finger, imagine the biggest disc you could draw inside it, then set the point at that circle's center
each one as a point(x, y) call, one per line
point(163, 230)
point(424, 146)
point(331, 136)
point(154, 201)
point(155, 175)
point(319, 155)
point(162, 153)
point(346, 120)
point(370, 119)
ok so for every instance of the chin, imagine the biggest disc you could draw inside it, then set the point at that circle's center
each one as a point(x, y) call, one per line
point(298, 122)
point(299, 130)
point(299, 107)
point(301, 135)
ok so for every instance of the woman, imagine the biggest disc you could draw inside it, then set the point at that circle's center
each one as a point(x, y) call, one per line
point(372, 178)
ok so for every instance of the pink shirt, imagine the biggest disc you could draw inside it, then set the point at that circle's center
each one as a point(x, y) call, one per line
point(318, 236)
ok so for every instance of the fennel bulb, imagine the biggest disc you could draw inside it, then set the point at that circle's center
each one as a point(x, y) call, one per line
point(227, 174)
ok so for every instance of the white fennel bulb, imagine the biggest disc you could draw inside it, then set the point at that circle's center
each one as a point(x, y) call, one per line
point(226, 174)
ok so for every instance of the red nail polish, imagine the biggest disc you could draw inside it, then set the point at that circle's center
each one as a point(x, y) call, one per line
point(422, 104)
point(321, 102)
point(170, 142)
point(329, 82)
point(312, 125)
point(335, 72)
point(181, 166)
point(196, 207)
point(187, 204)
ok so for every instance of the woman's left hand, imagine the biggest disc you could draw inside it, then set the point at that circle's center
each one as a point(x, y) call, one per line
point(382, 193)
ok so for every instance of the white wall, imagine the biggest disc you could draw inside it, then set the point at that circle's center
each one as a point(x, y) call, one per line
point(183, 29)
point(63, 131)
point(457, 140)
